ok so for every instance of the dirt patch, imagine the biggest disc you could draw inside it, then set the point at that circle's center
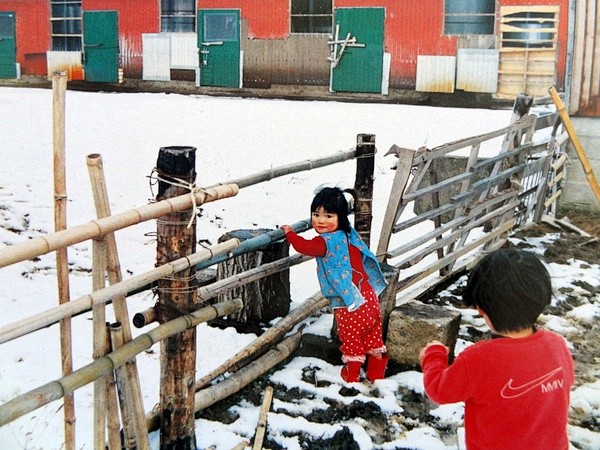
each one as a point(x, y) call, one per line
point(571, 245)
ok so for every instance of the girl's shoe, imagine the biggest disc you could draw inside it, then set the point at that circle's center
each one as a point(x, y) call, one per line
point(351, 371)
point(376, 367)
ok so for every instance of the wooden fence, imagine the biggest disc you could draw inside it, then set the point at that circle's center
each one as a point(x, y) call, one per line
point(434, 227)
point(475, 207)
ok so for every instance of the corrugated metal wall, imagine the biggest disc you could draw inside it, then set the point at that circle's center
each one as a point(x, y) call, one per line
point(435, 73)
point(266, 19)
point(477, 70)
point(272, 56)
point(31, 46)
point(136, 17)
point(585, 85)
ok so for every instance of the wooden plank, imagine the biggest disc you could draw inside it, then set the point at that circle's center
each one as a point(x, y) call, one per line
point(578, 73)
point(405, 163)
point(429, 215)
point(451, 259)
point(505, 10)
point(435, 188)
point(262, 419)
point(450, 147)
point(470, 224)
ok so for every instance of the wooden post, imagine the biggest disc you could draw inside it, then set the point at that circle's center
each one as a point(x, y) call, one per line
point(585, 164)
point(363, 185)
point(435, 203)
point(363, 193)
point(59, 86)
point(177, 295)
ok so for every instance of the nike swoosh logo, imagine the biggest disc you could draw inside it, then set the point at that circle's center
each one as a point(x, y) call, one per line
point(510, 391)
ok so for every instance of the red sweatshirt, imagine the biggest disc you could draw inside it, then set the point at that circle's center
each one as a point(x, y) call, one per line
point(516, 391)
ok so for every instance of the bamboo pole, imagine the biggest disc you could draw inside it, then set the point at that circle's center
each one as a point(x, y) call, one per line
point(59, 87)
point(262, 419)
point(249, 245)
point(246, 375)
point(241, 446)
point(99, 343)
point(225, 285)
point(306, 309)
point(288, 169)
point(202, 259)
point(124, 390)
point(585, 164)
point(86, 302)
point(45, 244)
point(30, 401)
point(100, 227)
point(255, 243)
point(112, 403)
point(113, 269)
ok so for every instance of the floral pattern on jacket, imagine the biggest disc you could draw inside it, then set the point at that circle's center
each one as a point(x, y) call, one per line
point(335, 272)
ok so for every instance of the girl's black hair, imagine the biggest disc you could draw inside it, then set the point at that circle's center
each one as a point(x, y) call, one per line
point(333, 201)
point(513, 287)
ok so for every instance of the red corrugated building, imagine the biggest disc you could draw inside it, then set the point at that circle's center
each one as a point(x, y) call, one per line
point(501, 47)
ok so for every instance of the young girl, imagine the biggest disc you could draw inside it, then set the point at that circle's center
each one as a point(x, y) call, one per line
point(351, 278)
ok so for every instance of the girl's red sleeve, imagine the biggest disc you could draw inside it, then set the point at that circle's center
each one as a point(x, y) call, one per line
point(313, 247)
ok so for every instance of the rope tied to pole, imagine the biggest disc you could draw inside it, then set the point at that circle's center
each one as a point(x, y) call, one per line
point(177, 182)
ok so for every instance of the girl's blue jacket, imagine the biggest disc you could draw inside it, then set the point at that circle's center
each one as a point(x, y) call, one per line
point(335, 272)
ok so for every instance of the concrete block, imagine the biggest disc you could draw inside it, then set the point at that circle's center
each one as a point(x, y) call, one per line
point(414, 324)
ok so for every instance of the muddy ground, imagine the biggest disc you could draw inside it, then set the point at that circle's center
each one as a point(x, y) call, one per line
point(383, 427)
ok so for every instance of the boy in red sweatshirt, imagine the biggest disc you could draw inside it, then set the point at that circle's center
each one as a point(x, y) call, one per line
point(516, 386)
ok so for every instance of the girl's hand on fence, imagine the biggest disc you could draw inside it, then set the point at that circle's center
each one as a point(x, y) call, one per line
point(286, 228)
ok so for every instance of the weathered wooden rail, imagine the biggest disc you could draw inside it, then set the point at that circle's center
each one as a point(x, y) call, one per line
point(467, 213)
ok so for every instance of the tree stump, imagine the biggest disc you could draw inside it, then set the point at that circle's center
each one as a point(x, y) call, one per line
point(264, 299)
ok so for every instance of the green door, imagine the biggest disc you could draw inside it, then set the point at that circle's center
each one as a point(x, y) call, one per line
point(8, 47)
point(357, 59)
point(101, 46)
point(219, 45)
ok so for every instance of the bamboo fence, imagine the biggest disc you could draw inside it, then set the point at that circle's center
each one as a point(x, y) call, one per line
point(56, 389)
point(476, 203)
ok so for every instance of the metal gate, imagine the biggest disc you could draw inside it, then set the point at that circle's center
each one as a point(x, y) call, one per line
point(219, 47)
point(101, 46)
point(8, 47)
point(357, 50)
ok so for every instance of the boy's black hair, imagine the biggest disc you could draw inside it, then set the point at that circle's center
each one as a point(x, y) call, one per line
point(511, 286)
point(333, 201)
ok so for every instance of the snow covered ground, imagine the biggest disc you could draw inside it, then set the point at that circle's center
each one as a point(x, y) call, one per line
point(234, 137)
